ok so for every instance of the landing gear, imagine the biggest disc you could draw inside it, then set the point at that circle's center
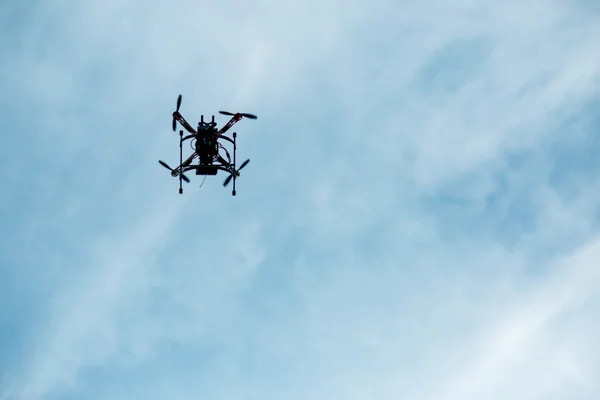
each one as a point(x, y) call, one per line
point(234, 173)
point(180, 151)
point(234, 151)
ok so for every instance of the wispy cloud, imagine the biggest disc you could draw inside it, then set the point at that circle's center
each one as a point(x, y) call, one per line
point(414, 223)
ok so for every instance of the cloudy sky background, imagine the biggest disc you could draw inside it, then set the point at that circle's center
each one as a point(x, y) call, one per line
point(419, 219)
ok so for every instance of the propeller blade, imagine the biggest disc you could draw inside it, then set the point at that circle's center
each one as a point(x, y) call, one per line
point(174, 124)
point(251, 116)
point(227, 180)
point(178, 102)
point(244, 164)
point(164, 164)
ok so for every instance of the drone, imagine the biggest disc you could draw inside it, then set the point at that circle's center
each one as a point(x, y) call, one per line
point(205, 143)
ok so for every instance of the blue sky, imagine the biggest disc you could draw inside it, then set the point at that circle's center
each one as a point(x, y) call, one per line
point(419, 219)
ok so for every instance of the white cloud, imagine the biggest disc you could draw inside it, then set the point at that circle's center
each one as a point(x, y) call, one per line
point(361, 257)
point(537, 347)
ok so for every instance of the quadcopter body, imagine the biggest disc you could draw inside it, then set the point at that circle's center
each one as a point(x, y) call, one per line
point(208, 151)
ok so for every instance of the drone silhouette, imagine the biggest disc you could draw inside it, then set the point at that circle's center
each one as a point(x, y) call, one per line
point(205, 143)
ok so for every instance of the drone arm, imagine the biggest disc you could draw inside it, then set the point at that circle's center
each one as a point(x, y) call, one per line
point(231, 122)
point(184, 123)
point(186, 163)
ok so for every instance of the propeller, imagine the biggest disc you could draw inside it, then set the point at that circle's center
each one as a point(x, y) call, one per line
point(164, 164)
point(176, 110)
point(237, 173)
point(251, 116)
